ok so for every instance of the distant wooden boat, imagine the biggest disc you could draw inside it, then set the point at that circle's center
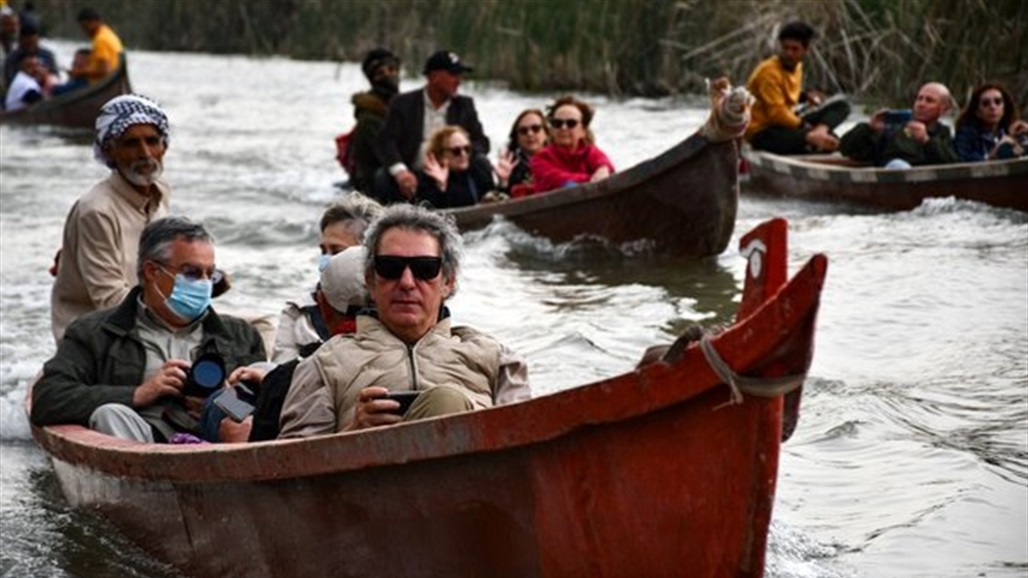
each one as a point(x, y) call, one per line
point(835, 178)
point(649, 473)
point(74, 109)
point(684, 202)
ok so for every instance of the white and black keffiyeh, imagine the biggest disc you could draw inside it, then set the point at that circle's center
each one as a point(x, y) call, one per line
point(124, 111)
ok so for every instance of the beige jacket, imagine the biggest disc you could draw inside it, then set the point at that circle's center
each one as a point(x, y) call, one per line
point(97, 266)
point(323, 394)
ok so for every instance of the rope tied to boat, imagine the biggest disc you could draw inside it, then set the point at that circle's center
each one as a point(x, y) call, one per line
point(739, 384)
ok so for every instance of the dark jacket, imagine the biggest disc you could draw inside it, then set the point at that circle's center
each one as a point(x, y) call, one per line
point(401, 138)
point(862, 143)
point(974, 144)
point(101, 360)
point(462, 189)
point(369, 109)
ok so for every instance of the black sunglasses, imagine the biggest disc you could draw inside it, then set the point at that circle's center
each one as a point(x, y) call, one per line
point(524, 130)
point(458, 151)
point(561, 122)
point(392, 267)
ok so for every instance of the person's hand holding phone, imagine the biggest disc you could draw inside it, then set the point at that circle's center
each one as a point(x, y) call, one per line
point(374, 409)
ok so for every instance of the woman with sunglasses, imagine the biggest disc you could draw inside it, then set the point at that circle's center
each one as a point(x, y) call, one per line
point(571, 158)
point(529, 134)
point(989, 127)
point(450, 177)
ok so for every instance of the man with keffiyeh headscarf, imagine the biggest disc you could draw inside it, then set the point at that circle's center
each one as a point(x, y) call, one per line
point(96, 268)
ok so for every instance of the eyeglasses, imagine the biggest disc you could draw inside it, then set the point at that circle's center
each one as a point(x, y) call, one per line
point(532, 128)
point(392, 267)
point(562, 122)
point(998, 101)
point(458, 151)
point(193, 273)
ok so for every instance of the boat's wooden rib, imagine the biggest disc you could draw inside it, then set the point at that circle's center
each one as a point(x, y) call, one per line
point(830, 178)
point(649, 473)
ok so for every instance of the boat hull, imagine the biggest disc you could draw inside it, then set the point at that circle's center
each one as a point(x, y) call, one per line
point(997, 183)
point(683, 202)
point(77, 109)
point(649, 473)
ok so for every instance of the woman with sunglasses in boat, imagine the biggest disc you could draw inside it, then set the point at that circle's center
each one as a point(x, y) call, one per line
point(529, 134)
point(989, 127)
point(572, 157)
point(451, 176)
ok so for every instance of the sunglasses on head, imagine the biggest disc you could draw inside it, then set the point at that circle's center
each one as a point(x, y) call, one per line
point(458, 151)
point(533, 128)
point(561, 122)
point(392, 267)
point(998, 101)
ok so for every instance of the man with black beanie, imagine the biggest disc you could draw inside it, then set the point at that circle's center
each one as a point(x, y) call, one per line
point(382, 69)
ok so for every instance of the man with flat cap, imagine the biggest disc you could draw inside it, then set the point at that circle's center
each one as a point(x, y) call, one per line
point(96, 267)
point(414, 115)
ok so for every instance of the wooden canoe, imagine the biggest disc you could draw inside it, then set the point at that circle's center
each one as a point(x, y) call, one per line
point(835, 178)
point(77, 109)
point(649, 473)
point(683, 201)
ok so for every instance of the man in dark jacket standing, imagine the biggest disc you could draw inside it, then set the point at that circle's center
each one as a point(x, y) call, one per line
point(415, 115)
point(122, 371)
point(382, 68)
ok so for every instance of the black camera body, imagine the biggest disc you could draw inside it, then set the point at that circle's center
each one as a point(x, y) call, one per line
point(205, 376)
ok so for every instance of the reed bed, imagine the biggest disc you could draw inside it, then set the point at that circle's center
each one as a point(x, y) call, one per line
point(875, 50)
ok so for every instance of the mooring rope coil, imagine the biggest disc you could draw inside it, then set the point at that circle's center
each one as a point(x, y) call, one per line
point(739, 384)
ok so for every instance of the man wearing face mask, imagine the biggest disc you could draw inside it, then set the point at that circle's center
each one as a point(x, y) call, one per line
point(382, 69)
point(96, 268)
point(121, 371)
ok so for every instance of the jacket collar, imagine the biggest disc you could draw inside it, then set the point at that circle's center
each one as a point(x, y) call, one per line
point(123, 321)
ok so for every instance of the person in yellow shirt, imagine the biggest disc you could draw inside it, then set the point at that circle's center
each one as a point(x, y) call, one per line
point(777, 84)
point(106, 50)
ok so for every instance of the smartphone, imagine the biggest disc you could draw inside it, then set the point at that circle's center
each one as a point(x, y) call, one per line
point(238, 402)
point(899, 117)
point(404, 398)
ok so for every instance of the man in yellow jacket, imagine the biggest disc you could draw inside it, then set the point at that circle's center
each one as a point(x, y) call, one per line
point(777, 84)
point(105, 53)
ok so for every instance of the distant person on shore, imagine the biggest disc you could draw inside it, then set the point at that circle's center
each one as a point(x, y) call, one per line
point(28, 86)
point(785, 119)
point(96, 267)
point(105, 52)
point(528, 135)
point(921, 140)
point(448, 178)
point(301, 327)
point(407, 343)
point(382, 69)
point(8, 29)
point(123, 371)
point(989, 128)
point(415, 115)
point(571, 158)
point(28, 45)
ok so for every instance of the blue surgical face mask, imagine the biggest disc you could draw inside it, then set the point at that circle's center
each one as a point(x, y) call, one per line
point(323, 261)
point(189, 297)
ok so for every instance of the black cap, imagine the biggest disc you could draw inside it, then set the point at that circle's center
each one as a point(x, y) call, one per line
point(375, 58)
point(448, 61)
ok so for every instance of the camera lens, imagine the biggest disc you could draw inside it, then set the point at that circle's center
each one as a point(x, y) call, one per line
point(206, 374)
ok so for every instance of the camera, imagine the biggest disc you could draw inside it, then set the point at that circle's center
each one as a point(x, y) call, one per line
point(205, 376)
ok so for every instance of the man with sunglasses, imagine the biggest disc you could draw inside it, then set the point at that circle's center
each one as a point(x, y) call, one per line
point(96, 266)
point(406, 344)
point(919, 139)
point(415, 115)
point(122, 371)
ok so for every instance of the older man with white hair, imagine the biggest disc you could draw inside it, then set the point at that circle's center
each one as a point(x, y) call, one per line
point(96, 267)
point(917, 138)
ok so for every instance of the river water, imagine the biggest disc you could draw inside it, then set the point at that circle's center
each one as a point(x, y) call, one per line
point(911, 457)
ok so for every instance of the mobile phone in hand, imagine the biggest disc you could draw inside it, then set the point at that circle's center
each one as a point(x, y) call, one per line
point(404, 398)
point(898, 117)
point(238, 402)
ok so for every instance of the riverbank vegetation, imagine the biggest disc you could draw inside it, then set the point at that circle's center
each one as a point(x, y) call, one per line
point(875, 50)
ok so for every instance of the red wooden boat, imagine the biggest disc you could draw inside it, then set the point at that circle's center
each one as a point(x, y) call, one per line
point(649, 473)
point(836, 178)
point(76, 109)
point(683, 201)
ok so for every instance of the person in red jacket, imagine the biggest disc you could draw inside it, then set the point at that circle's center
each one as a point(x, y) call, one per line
point(571, 158)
